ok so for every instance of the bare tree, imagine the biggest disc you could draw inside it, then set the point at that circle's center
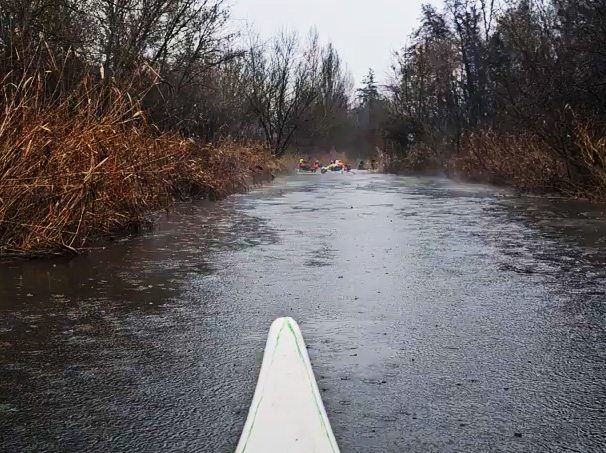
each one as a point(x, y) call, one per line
point(284, 84)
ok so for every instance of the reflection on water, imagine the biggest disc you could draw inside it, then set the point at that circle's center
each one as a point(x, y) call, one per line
point(439, 316)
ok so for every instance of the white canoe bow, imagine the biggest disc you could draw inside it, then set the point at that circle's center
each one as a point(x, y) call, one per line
point(286, 414)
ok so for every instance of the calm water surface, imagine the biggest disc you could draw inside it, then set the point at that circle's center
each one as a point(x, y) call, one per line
point(440, 317)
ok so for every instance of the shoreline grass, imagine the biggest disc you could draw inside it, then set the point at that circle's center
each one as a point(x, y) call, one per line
point(526, 161)
point(89, 165)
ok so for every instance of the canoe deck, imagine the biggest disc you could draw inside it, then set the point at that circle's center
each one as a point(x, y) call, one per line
point(286, 414)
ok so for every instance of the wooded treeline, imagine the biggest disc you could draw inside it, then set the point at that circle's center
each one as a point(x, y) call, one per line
point(511, 91)
point(184, 65)
point(112, 109)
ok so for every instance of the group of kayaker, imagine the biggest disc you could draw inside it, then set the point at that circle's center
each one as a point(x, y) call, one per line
point(335, 165)
point(338, 165)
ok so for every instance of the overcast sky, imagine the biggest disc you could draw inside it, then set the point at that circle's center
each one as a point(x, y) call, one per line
point(364, 32)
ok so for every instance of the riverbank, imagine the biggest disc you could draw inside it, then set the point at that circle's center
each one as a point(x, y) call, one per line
point(526, 162)
point(72, 174)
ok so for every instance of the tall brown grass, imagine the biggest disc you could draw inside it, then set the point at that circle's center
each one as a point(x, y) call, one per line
point(87, 164)
point(527, 161)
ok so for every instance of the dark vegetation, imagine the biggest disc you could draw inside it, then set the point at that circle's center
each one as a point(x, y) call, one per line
point(110, 109)
point(510, 92)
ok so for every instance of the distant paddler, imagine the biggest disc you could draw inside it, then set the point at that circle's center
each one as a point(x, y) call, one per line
point(304, 165)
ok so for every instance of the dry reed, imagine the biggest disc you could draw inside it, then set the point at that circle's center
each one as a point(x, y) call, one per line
point(528, 162)
point(88, 165)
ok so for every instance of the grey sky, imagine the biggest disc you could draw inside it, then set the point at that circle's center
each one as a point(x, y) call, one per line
point(364, 32)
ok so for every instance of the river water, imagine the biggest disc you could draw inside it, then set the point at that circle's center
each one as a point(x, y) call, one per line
point(440, 317)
